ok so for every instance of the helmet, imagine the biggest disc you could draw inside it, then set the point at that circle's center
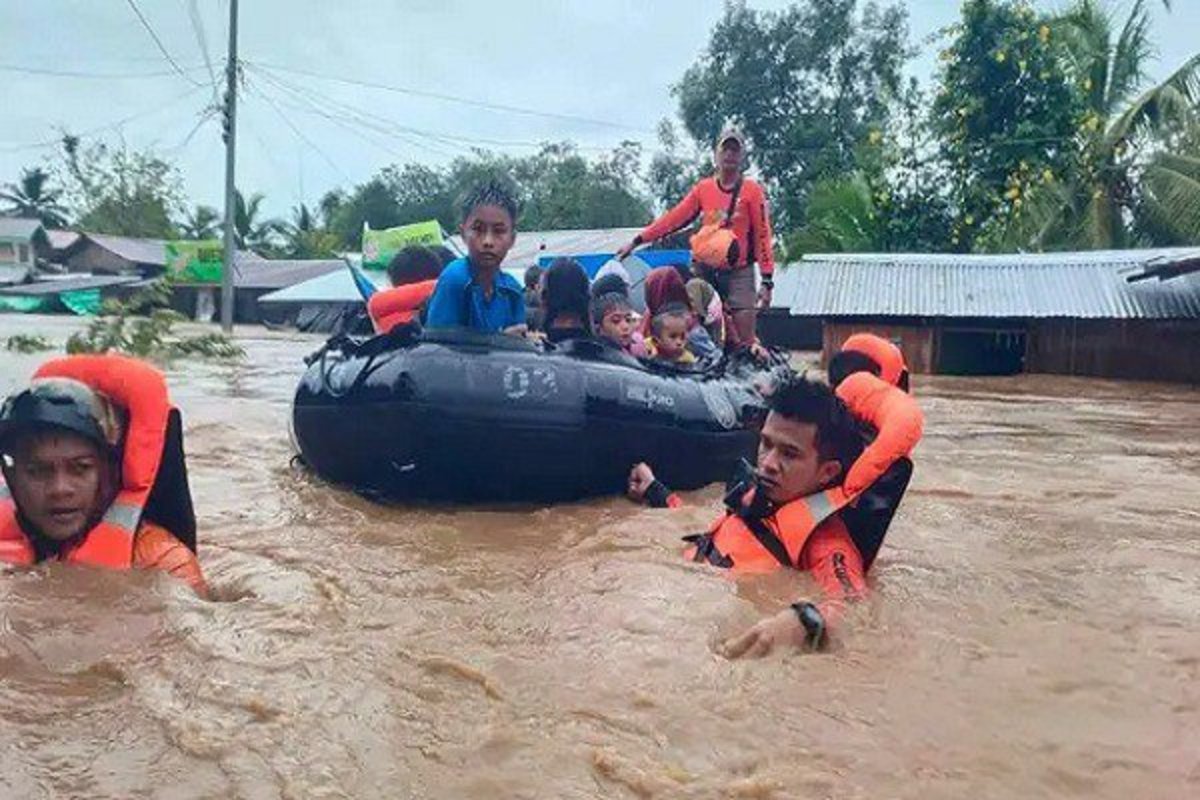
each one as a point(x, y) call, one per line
point(66, 404)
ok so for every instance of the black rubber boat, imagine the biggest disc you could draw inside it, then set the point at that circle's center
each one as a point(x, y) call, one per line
point(456, 415)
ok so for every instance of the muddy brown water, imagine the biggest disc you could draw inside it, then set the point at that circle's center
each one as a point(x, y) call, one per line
point(1034, 628)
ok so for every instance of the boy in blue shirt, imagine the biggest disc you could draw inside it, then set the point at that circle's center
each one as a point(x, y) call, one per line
point(473, 292)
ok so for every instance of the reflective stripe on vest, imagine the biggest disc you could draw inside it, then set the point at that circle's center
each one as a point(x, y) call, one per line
point(732, 543)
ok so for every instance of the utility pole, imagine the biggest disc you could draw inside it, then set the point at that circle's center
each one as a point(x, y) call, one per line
point(227, 264)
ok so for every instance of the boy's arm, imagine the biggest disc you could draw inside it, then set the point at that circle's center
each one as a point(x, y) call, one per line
point(446, 305)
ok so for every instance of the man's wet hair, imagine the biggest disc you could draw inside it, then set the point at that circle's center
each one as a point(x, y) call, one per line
point(491, 193)
point(848, 362)
point(802, 399)
point(414, 264)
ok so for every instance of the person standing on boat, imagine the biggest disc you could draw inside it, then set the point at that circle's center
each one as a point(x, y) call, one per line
point(735, 233)
point(473, 292)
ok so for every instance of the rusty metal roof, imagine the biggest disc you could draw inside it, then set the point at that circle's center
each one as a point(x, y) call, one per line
point(1084, 285)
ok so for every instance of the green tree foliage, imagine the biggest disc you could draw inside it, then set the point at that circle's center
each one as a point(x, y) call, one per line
point(557, 188)
point(1006, 114)
point(32, 197)
point(1167, 207)
point(202, 222)
point(144, 326)
point(251, 231)
point(807, 84)
point(1124, 132)
point(304, 238)
point(120, 191)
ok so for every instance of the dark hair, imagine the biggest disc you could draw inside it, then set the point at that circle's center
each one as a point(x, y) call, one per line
point(532, 276)
point(445, 254)
point(803, 400)
point(491, 193)
point(848, 362)
point(669, 311)
point(612, 283)
point(566, 290)
point(414, 264)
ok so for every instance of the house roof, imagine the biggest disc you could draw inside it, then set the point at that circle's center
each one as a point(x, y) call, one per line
point(61, 240)
point(69, 284)
point(19, 227)
point(137, 251)
point(254, 272)
point(531, 245)
point(1083, 285)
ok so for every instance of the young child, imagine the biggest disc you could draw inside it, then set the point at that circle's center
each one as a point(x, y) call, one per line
point(612, 311)
point(706, 305)
point(473, 292)
point(413, 273)
point(669, 334)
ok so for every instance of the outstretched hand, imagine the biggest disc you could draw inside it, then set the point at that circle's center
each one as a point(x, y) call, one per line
point(779, 630)
point(624, 251)
point(640, 479)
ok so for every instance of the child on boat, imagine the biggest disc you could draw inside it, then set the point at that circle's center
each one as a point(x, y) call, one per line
point(669, 335)
point(413, 273)
point(565, 300)
point(612, 312)
point(473, 292)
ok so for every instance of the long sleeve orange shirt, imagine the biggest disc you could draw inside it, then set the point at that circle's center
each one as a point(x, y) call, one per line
point(751, 220)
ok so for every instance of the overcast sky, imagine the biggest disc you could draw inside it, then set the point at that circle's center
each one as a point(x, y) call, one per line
point(598, 71)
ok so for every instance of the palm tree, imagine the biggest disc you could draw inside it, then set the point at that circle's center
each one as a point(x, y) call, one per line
point(1117, 137)
point(1168, 211)
point(304, 239)
point(202, 222)
point(250, 232)
point(841, 217)
point(30, 197)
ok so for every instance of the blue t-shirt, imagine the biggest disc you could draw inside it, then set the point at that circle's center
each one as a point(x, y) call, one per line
point(458, 301)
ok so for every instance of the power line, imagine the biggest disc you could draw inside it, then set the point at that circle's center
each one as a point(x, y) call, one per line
point(202, 43)
point(392, 125)
point(65, 73)
point(455, 99)
point(107, 126)
point(300, 135)
point(162, 49)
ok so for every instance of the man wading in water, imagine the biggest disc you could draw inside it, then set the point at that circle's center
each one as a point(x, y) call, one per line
point(783, 514)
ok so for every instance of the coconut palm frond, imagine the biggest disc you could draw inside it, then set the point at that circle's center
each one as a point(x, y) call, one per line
point(1133, 50)
point(1175, 100)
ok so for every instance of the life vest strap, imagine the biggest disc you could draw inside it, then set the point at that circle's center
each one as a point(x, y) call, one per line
point(706, 550)
point(770, 542)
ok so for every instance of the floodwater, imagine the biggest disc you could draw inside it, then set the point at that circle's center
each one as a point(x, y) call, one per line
point(1034, 629)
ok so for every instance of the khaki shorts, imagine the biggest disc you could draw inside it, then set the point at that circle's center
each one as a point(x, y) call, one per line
point(739, 295)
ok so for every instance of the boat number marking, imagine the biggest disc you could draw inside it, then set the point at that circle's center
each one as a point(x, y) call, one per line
point(648, 397)
point(539, 383)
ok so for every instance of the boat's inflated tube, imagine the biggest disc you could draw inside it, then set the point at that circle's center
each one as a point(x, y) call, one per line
point(457, 415)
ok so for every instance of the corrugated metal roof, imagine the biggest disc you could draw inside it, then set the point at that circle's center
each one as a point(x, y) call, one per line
point(138, 251)
point(18, 227)
point(1088, 285)
point(61, 240)
point(72, 284)
point(10, 274)
point(531, 245)
point(258, 273)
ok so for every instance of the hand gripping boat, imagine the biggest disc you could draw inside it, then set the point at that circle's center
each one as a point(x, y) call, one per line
point(456, 415)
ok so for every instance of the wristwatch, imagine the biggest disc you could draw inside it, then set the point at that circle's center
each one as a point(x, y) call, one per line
point(813, 622)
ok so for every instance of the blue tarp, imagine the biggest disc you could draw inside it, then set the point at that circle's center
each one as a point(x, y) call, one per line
point(592, 262)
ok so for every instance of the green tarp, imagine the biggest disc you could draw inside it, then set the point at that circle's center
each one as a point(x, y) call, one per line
point(379, 247)
point(84, 302)
point(24, 305)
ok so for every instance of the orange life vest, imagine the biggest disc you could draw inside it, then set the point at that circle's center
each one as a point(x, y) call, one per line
point(398, 305)
point(141, 390)
point(894, 415)
point(882, 352)
point(764, 545)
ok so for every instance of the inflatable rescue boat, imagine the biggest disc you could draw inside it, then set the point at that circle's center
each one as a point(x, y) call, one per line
point(458, 415)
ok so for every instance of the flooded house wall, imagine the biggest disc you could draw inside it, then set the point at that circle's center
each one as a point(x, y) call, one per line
point(1158, 350)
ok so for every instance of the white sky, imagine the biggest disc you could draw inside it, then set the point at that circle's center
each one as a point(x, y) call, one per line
point(609, 61)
